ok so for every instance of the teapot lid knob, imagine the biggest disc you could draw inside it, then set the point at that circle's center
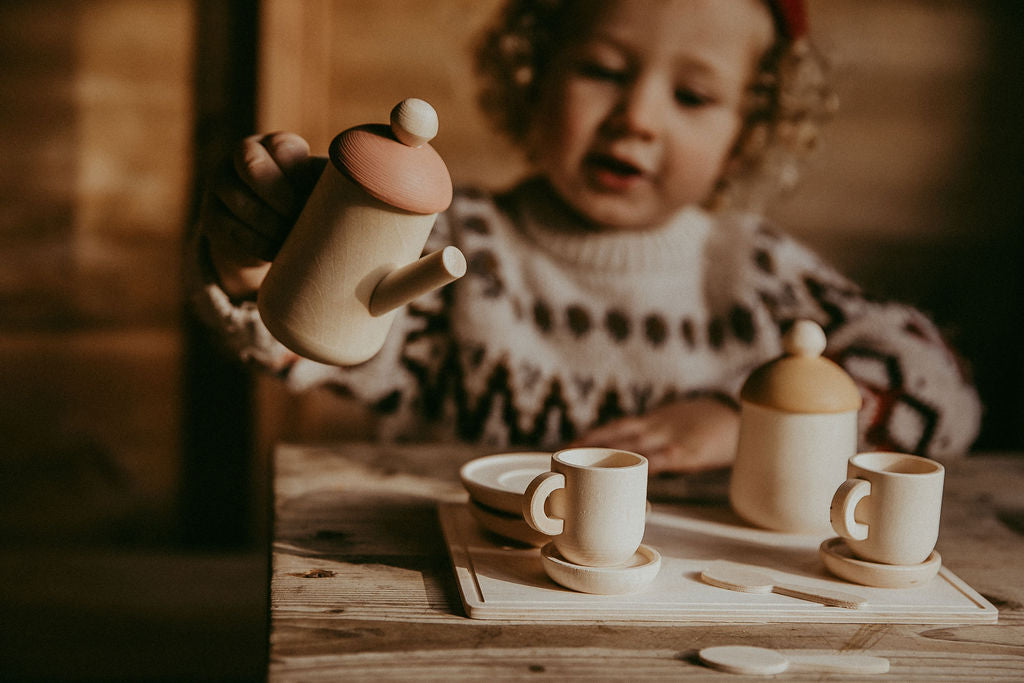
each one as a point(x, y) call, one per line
point(394, 163)
point(805, 338)
point(414, 122)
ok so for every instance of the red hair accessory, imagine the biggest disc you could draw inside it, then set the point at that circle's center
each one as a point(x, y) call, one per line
point(791, 17)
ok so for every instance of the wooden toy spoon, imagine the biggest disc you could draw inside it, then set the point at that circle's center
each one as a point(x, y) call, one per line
point(741, 578)
point(761, 661)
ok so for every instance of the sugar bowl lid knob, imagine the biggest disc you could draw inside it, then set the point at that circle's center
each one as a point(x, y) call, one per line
point(805, 338)
point(414, 122)
point(802, 380)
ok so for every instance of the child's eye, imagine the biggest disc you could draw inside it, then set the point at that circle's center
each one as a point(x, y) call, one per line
point(691, 98)
point(600, 72)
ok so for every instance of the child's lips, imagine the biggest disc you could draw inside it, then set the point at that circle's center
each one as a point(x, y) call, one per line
point(614, 173)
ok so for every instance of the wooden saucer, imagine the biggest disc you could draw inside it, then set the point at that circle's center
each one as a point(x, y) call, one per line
point(626, 578)
point(499, 481)
point(841, 561)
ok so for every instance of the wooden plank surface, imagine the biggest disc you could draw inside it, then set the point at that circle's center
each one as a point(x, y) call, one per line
point(362, 586)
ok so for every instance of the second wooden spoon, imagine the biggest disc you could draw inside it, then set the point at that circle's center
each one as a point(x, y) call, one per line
point(742, 578)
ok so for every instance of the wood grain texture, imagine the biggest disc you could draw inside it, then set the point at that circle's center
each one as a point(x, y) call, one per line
point(96, 124)
point(361, 586)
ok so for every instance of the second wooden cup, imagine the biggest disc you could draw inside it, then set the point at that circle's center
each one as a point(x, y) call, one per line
point(888, 508)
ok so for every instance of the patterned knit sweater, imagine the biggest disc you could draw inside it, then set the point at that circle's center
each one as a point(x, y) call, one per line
point(553, 331)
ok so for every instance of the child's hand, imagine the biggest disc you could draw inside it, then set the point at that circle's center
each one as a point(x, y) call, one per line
point(685, 436)
point(251, 205)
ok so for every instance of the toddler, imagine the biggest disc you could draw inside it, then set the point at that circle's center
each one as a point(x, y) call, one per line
point(622, 294)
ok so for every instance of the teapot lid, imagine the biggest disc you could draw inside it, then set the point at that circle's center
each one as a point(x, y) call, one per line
point(394, 163)
point(801, 381)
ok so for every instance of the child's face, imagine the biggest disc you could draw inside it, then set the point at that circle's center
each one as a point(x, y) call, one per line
point(638, 115)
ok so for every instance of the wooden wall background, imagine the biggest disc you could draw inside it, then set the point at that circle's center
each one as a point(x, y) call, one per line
point(916, 192)
point(97, 124)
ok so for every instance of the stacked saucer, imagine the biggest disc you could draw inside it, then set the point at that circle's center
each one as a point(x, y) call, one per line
point(496, 484)
point(841, 561)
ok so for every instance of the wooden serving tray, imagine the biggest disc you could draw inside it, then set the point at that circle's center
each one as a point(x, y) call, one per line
point(499, 581)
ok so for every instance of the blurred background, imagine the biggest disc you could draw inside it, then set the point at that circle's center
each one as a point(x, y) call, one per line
point(134, 457)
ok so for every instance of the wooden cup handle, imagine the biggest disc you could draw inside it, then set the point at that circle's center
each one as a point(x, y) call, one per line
point(537, 493)
point(844, 505)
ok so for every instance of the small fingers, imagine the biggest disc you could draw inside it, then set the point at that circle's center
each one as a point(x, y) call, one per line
point(292, 155)
point(634, 434)
point(257, 161)
point(655, 445)
point(278, 168)
point(223, 228)
point(259, 245)
point(248, 208)
point(645, 443)
point(685, 459)
point(616, 430)
point(671, 458)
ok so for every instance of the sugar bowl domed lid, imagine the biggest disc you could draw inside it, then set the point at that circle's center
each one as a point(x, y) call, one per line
point(394, 163)
point(801, 381)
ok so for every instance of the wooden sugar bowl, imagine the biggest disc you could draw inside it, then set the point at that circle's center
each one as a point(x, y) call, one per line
point(354, 256)
point(798, 429)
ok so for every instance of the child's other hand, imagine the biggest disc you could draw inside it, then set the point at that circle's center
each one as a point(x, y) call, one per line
point(684, 436)
point(252, 203)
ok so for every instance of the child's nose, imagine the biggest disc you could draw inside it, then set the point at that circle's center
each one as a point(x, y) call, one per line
point(641, 109)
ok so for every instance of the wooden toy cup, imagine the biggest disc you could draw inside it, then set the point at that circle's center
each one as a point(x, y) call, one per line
point(888, 508)
point(596, 504)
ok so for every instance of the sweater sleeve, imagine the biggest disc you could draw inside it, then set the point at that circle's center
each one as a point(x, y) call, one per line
point(381, 383)
point(235, 324)
point(918, 396)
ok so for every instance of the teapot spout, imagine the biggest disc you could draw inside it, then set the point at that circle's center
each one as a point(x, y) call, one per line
point(411, 281)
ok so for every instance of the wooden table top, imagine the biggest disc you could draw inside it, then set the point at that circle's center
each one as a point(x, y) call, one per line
point(362, 586)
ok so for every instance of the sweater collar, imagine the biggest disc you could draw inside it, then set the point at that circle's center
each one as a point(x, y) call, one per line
point(544, 220)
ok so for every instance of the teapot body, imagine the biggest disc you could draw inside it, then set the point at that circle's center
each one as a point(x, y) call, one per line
point(788, 466)
point(316, 297)
point(354, 255)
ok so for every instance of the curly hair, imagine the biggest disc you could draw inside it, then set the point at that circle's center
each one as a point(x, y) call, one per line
point(786, 105)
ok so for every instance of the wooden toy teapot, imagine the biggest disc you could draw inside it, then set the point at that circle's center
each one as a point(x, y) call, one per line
point(354, 255)
point(798, 429)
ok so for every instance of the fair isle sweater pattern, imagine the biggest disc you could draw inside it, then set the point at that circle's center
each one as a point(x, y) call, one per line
point(552, 331)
